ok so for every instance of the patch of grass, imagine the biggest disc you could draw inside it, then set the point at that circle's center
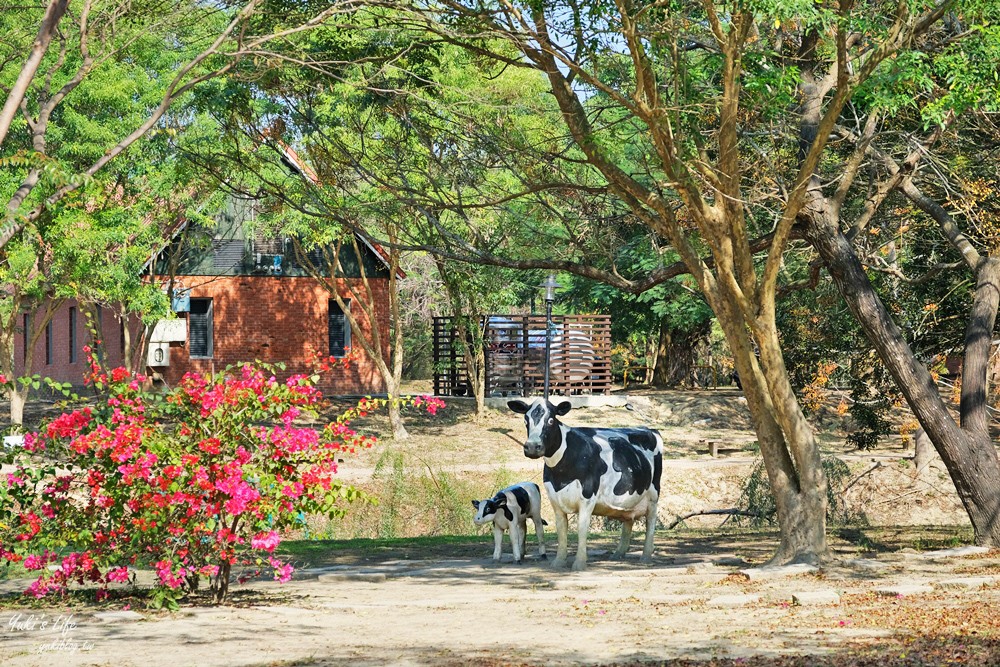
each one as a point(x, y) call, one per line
point(412, 497)
point(319, 553)
point(883, 539)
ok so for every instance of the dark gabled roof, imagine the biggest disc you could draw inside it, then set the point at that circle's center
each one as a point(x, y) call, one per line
point(293, 160)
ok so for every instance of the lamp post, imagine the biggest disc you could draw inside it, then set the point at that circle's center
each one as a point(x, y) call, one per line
point(550, 286)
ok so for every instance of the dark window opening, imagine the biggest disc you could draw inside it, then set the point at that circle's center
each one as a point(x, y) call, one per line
point(25, 342)
point(339, 329)
point(72, 335)
point(48, 343)
point(200, 329)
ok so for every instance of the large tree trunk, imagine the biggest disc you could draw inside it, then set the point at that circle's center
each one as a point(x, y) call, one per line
point(476, 365)
point(791, 456)
point(675, 355)
point(923, 452)
point(968, 453)
point(18, 398)
point(399, 431)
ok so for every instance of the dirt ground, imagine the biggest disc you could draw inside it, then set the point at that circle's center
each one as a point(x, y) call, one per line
point(444, 606)
point(882, 489)
point(446, 603)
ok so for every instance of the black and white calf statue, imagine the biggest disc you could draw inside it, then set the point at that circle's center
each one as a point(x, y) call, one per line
point(511, 508)
point(612, 472)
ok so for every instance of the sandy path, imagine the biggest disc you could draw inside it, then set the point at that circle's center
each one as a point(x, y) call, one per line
point(456, 611)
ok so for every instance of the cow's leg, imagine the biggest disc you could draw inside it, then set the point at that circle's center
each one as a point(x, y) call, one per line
point(647, 548)
point(626, 539)
point(583, 526)
point(562, 531)
point(517, 540)
point(524, 536)
point(540, 534)
point(497, 541)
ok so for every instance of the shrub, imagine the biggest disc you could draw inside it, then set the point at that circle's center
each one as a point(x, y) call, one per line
point(757, 500)
point(191, 483)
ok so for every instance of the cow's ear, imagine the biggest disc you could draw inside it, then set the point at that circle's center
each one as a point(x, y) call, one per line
point(563, 408)
point(520, 407)
point(475, 503)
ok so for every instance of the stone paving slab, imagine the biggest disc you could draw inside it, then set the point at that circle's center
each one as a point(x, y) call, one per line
point(766, 573)
point(813, 598)
point(868, 565)
point(676, 598)
point(904, 590)
point(675, 571)
point(736, 600)
point(703, 567)
point(730, 561)
point(584, 581)
point(959, 552)
point(965, 583)
point(126, 616)
point(373, 577)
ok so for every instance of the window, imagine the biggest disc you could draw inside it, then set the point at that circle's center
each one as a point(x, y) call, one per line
point(24, 342)
point(48, 343)
point(339, 329)
point(72, 335)
point(99, 343)
point(201, 329)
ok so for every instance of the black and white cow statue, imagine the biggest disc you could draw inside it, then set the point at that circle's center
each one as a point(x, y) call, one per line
point(612, 472)
point(510, 509)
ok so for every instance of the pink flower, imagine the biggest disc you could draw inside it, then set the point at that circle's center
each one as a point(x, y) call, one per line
point(282, 572)
point(33, 443)
point(266, 541)
point(118, 574)
point(34, 562)
point(43, 586)
point(164, 570)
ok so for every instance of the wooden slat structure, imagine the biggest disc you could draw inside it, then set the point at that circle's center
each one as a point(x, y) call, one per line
point(580, 359)
point(451, 376)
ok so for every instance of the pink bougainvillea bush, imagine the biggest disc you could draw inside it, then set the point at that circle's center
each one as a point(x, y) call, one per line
point(190, 484)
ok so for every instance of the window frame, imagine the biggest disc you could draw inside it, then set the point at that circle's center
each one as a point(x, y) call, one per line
point(72, 334)
point(346, 339)
point(48, 344)
point(209, 315)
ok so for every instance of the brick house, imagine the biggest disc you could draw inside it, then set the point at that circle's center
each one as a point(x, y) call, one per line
point(237, 297)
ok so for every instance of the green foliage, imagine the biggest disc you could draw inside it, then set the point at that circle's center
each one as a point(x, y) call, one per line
point(389, 473)
point(873, 394)
point(757, 500)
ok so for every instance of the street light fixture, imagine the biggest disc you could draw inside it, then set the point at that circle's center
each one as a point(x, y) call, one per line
point(550, 286)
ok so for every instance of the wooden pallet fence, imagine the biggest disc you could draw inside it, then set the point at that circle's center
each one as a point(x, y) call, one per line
point(580, 359)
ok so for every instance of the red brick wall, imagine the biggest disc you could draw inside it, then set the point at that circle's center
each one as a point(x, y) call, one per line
point(277, 320)
point(254, 318)
point(60, 368)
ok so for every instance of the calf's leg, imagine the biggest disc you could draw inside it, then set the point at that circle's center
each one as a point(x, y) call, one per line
point(517, 540)
point(537, 520)
point(497, 541)
point(625, 541)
